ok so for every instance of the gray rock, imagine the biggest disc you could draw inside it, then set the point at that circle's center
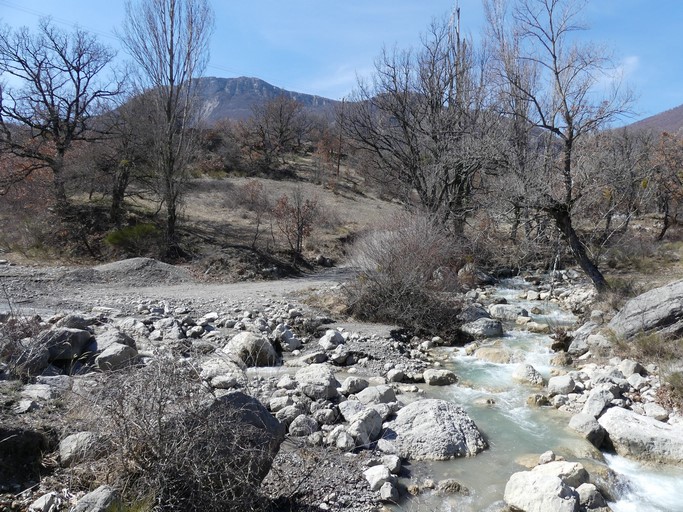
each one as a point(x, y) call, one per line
point(561, 385)
point(527, 374)
point(289, 413)
point(376, 395)
point(579, 345)
point(589, 496)
point(432, 430)
point(102, 499)
point(629, 367)
point(656, 411)
point(331, 339)
point(589, 427)
point(530, 491)
point(77, 447)
point(222, 373)
point(64, 344)
point(507, 311)
point(393, 463)
point(252, 349)
point(436, 377)
point(388, 492)
point(377, 476)
point(659, 310)
point(115, 357)
point(365, 427)
point(571, 473)
point(317, 381)
point(349, 409)
point(598, 399)
point(108, 337)
point(483, 328)
point(640, 437)
point(302, 426)
point(46, 503)
point(395, 375)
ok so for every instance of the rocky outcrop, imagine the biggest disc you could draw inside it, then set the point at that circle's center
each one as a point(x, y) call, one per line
point(432, 430)
point(641, 437)
point(659, 310)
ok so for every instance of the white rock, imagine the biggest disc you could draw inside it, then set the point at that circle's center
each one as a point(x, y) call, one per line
point(538, 492)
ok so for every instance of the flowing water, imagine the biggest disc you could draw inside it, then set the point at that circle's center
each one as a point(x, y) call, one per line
point(518, 433)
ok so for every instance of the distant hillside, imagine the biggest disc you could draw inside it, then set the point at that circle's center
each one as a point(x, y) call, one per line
point(232, 98)
point(669, 121)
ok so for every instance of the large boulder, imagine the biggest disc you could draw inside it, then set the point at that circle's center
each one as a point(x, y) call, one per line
point(507, 311)
point(571, 473)
point(317, 381)
point(223, 373)
point(79, 446)
point(64, 343)
point(115, 357)
point(530, 491)
point(659, 310)
point(432, 430)
point(252, 349)
point(641, 437)
point(483, 328)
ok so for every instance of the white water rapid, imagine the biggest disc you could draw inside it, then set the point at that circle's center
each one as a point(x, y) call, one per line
point(517, 433)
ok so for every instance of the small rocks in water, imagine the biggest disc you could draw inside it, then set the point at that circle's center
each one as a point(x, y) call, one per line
point(451, 486)
point(388, 492)
point(527, 374)
point(537, 400)
point(377, 476)
point(435, 377)
point(546, 457)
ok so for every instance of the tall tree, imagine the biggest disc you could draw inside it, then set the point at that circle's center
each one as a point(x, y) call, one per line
point(556, 83)
point(60, 89)
point(169, 42)
point(423, 122)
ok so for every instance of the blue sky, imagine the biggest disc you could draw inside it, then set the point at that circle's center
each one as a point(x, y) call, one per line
point(319, 46)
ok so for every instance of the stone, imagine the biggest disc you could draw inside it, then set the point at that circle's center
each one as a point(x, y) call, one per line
point(598, 399)
point(641, 437)
point(108, 337)
point(589, 497)
point(494, 354)
point(588, 427)
point(76, 447)
point(483, 328)
point(252, 349)
point(538, 328)
point(579, 346)
point(102, 499)
point(115, 357)
point(561, 385)
point(46, 503)
point(571, 473)
point(350, 408)
point(527, 374)
point(659, 310)
point(63, 343)
point(629, 367)
point(435, 377)
point(365, 427)
point(223, 373)
point(531, 491)
point(451, 486)
point(388, 492)
point(432, 429)
point(656, 411)
point(302, 426)
point(376, 395)
point(395, 375)
point(331, 340)
point(507, 311)
point(345, 442)
point(317, 381)
point(546, 457)
point(377, 476)
point(287, 414)
point(393, 462)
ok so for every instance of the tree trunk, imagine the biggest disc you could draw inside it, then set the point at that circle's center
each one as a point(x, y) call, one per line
point(562, 217)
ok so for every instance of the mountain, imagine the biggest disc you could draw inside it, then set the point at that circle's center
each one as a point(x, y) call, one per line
point(232, 98)
point(670, 121)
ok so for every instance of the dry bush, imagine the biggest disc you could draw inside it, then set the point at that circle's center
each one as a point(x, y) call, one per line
point(404, 268)
point(17, 353)
point(175, 446)
point(295, 217)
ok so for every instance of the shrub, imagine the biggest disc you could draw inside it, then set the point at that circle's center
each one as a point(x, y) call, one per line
point(294, 217)
point(139, 240)
point(17, 354)
point(404, 270)
point(176, 446)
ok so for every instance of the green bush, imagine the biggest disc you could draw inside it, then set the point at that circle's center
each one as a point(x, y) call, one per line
point(139, 240)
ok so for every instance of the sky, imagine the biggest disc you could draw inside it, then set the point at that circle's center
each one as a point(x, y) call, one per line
point(321, 46)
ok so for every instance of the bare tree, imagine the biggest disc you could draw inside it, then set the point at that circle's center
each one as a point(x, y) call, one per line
point(60, 89)
point(168, 40)
point(275, 128)
point(422, 121)
point(556, 84)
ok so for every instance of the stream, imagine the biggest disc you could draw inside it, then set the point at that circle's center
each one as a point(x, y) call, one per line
point(517, 433)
